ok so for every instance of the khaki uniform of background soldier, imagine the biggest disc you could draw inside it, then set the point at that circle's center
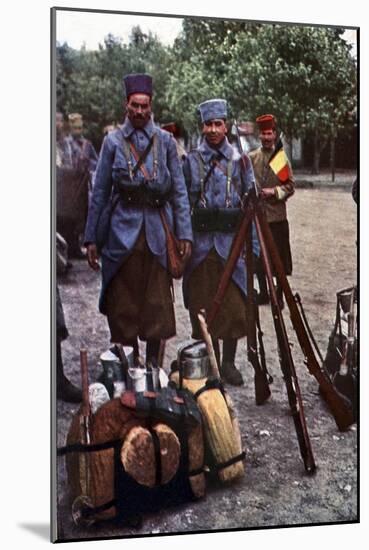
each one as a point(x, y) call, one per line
point(275, 195)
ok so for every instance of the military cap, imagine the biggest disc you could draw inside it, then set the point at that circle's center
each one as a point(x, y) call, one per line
point(172, 127)
point(266, 122)
point(138, 83)
point(212, 109)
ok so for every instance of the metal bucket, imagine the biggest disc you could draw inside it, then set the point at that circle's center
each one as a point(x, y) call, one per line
point(193, 359)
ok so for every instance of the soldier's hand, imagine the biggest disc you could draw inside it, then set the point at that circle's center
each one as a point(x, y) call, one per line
point(185, 249)
point(268, 192)
point(93, 256)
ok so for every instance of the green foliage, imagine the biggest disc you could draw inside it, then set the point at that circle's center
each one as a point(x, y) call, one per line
point(304, 75)
point(90, 82)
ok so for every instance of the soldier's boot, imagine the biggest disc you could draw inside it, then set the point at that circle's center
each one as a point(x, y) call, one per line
point(263, 296)
point(229, 372)
point(65, 390)
point(152, 350)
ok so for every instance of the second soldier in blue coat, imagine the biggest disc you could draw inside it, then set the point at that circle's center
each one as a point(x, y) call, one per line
point(216, 184)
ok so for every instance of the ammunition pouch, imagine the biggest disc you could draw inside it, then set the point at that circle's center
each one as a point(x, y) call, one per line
point(224, 220)
point(204, 219)
point(228, 219)
point(142, 196)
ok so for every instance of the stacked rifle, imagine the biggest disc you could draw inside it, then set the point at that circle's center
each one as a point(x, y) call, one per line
point(339, 406)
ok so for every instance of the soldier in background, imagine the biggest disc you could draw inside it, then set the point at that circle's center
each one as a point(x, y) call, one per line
point(275, 194)
point(84, 156)
point(217, 184)
point(174, 129)
point(63, 146)
point(74, 183)
point(108, 128)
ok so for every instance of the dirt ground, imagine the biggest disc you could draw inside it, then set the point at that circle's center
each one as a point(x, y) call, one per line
point(275, 490)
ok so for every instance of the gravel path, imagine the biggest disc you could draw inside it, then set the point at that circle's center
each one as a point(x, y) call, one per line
point(275, 490)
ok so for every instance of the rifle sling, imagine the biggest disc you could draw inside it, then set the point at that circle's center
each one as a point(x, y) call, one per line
point(128, 148)
point(205, 177)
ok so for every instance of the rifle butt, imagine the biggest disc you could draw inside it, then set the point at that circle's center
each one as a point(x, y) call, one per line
point(340, 408)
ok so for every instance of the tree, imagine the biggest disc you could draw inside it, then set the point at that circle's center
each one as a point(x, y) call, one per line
point(304, 75)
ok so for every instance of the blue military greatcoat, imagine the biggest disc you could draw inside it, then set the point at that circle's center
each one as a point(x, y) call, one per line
point(126, 222)
point(82, 149)
point(215, 197)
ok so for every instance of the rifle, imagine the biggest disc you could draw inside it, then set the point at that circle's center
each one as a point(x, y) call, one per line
point(234, 254)
point(288, 369)
point(261, 382)
point(84, 424)
point(339, 406)
point(286, 361)
point(82, 504)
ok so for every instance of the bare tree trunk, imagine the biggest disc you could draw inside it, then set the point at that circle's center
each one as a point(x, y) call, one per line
point(333, 157)
point(316, 158)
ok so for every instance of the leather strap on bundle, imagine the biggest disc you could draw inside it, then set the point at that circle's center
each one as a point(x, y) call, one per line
point(156, 442)
point(211, 384)
point(91, 448)
point(229, 462)
point(215, 383)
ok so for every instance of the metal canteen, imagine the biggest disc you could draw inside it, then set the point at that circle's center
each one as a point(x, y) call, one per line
point(149, 378)
point(136, 379)
point(112, 366)
point(193, 360)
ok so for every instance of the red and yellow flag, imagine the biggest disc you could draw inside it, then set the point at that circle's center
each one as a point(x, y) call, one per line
point(279, 165)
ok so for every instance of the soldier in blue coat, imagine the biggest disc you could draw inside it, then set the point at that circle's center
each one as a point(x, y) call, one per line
point(84, 155)
point(216, 183)
point(138, 174)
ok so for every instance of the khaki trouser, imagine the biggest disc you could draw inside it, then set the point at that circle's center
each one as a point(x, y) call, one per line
point(231, 321)
point(139, 299)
